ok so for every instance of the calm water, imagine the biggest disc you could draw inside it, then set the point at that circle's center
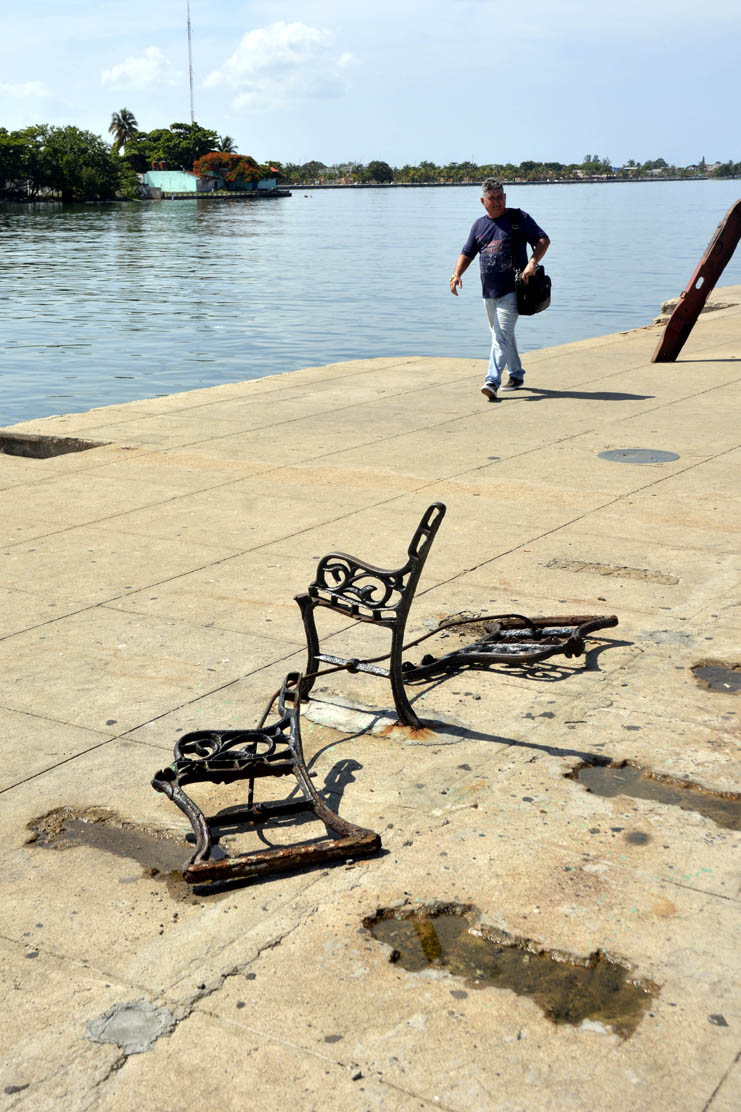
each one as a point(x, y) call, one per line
point(106, 304)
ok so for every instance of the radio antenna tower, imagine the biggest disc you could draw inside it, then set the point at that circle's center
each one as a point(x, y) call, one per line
point(190, 67)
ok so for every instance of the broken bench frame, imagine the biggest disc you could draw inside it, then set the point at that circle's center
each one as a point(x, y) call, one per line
point(366, 593)
point(226, 756)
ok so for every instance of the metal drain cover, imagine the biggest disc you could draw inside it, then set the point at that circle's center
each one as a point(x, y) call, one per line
point(638, 455)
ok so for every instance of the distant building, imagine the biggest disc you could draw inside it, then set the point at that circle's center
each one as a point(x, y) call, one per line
point(159, 182)
point(176, 181)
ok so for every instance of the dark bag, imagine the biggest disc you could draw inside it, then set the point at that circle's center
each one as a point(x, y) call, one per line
point(534, 295)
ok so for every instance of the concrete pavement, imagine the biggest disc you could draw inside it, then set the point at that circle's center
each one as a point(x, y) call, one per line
point(148, 590)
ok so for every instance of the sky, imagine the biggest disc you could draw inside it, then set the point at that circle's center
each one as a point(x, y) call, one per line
point(341, 81)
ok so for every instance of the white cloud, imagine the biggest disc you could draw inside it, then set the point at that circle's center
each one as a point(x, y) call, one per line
point(280, 63)
point(26, 89)
point(149, 69)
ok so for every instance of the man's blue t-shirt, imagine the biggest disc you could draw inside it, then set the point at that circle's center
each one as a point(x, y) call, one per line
point(491, 240)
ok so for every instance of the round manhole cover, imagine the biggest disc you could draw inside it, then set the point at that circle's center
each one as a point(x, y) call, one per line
point(638, 455)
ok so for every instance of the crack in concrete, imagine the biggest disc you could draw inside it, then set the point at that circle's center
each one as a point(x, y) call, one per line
point(720, 1084)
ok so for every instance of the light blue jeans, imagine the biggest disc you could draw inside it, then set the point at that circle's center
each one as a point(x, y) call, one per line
point(502, 314)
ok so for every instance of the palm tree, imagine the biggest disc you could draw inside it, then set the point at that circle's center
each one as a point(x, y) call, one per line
point(226, 144)
point(123, 127)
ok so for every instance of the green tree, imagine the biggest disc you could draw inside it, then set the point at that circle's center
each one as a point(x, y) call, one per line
point(14, 164)
point(594, 166)
point(123, 127)
point(179, 145)
point(428, 171)
point(78, 165)
point(655, 164)
point(226, 144)
point(138, 153)
point(379, 171)
point(275, 169)
point(128, 185)
point(726, 170)
point(30, 142)
point(291, 172)
point(310, 171)
point(189, 142)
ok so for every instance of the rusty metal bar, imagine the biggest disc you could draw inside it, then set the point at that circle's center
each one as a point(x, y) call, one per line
point(695, 294)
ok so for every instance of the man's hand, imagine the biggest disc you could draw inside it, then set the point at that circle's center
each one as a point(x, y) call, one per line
point(529, 270)
point(538, 252)
point(455, 284)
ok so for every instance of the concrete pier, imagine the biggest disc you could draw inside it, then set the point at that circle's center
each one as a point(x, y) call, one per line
point(148, 590)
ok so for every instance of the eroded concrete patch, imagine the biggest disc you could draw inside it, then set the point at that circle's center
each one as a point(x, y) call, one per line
point(351, 719)
point(134, 1026)
point(626, 778)
point(620, 571)
point(668, 637)
point(597, 992)
point(718, 675)
point(161, 854)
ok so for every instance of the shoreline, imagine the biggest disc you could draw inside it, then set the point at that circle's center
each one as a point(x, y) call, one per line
point(284, 191)
point(505, 181)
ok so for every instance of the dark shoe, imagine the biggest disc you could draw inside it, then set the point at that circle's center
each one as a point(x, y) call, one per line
point(489, 392)
point(513, 383)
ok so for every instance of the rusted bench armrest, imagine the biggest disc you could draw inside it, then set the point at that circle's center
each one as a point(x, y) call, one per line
point(366, 592)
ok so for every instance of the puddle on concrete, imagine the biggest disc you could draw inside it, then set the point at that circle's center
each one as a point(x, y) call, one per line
point(161, 855)
point(724, 808)
point(718, 675)
point(568, 990)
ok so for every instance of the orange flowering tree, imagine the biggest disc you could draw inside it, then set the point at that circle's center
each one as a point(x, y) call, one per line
point(234, 168)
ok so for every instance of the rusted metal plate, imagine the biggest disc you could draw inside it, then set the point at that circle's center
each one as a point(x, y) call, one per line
point(709, 269)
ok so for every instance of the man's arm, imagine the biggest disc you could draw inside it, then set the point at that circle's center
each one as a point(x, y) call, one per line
point(539, 251)
point(464, 261)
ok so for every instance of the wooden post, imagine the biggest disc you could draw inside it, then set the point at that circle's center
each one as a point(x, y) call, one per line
point(709, 269)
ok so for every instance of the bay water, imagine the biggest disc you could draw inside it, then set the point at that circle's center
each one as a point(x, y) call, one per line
point(103, 304)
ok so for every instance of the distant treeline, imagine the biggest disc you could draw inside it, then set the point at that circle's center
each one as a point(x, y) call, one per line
point(43, 162)
point(427, 173)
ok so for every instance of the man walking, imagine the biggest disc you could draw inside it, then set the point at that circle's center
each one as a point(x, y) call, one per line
point(491, 238)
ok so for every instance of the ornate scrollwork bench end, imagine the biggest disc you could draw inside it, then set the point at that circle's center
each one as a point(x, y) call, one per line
point(225, 756)
point(367, 593)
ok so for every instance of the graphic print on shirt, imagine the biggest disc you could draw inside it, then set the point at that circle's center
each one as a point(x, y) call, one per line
point(495, 257)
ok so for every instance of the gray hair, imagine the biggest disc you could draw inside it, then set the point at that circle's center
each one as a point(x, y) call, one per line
point(491, 185)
